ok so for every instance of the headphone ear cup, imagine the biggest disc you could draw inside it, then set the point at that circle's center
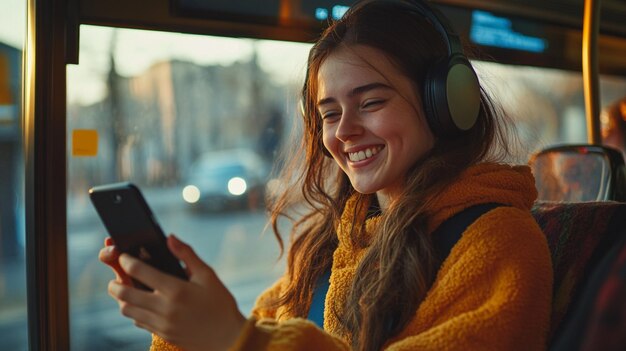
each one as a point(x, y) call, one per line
point(430, 100)
point(451, 97)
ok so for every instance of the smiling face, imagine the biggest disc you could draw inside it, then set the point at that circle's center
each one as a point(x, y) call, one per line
point(373, 124)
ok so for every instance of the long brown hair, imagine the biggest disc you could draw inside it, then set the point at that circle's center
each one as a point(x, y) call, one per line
point(398, 268)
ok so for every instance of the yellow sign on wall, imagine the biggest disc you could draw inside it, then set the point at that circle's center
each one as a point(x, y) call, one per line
point(5, 87)
point(84, 142)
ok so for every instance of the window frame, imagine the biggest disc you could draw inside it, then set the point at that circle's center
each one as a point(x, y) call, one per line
point(44, 145)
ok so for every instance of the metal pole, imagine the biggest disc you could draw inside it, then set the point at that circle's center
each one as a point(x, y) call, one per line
point(591, 73)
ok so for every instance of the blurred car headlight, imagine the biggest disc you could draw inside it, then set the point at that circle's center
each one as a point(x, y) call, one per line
point(237, 186)
point(191, 194)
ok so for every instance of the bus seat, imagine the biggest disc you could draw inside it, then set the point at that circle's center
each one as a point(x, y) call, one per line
point(576, 173)
point(598, 321)
point(579, 236)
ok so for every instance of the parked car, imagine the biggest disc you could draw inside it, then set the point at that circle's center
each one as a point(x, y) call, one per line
point(228, 179)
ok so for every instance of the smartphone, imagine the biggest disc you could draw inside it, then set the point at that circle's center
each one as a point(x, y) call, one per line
point(133, 227)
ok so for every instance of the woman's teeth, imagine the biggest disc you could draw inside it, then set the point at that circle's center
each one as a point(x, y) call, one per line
point(363, 154)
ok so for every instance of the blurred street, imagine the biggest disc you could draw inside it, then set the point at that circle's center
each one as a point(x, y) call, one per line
point(233, 243)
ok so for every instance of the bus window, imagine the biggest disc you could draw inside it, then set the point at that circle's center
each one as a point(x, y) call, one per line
point(546, 104)
point(196, 123)
point(13, 316)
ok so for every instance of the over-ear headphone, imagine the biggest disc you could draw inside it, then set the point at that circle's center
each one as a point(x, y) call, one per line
point(451, 89)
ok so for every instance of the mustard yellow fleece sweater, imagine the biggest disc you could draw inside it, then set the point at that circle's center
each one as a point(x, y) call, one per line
point(493, 292)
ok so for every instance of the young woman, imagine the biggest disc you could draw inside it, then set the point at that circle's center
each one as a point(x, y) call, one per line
point(383, 168)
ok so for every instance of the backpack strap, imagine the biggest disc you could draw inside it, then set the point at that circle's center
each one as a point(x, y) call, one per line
point(450, 231)
point(444, 238)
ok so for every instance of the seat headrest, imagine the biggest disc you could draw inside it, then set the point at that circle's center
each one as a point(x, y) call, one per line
point(575, 173)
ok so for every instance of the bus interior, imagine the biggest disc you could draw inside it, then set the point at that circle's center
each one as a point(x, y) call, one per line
point(170, 94)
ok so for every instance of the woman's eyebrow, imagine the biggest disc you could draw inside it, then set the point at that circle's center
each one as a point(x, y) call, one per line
point(356, 91)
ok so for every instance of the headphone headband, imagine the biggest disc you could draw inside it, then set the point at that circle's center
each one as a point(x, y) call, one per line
point(439, 21)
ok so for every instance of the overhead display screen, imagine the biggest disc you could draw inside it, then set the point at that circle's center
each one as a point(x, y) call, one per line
point(498, 31)
point(273, 12)
point(499, 36)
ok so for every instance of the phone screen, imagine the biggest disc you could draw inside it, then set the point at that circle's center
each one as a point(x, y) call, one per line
point(133, 227)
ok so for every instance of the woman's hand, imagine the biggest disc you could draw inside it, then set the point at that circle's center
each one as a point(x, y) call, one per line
point(109, 255)
point(199, 314)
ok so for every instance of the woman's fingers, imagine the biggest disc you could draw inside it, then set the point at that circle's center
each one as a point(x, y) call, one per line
point(108, 241)
point(136, 297)
point(200, 311)
point(110, 256)
point(196, 268)
point(143, 318)
point(150, 276)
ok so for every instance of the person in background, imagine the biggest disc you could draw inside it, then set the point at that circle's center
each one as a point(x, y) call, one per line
point(399, 139)
point(614, 125)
